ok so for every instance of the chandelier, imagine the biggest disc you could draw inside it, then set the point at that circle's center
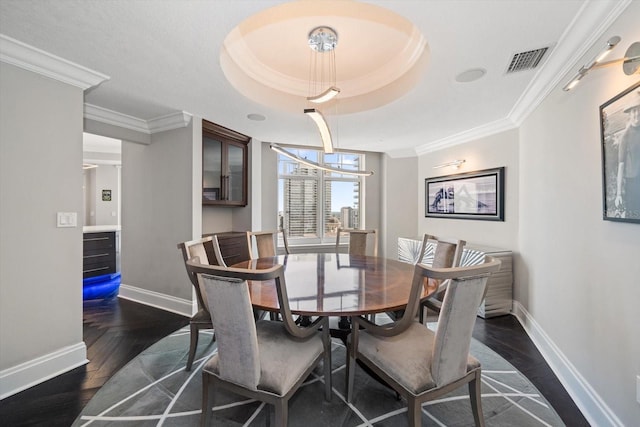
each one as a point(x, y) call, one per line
point(322, 89)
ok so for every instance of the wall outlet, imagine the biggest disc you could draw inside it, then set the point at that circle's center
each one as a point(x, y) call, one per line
point(67, 219)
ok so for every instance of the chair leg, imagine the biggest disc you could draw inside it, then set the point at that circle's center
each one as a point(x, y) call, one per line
point(207, 400)
point(327, 374)
point(193, 344)
point(414, 412)
point(421, 310)
point(281, 413)
point(351, 369)
point(475, 395)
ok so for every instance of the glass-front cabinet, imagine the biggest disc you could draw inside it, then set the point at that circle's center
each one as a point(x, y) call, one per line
point(224, 166)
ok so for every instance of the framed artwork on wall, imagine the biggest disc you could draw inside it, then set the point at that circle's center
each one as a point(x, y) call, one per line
point(473, 195)
point(620, 140)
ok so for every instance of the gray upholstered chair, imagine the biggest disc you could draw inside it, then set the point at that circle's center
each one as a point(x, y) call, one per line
point(416, 362)
point(266, 243)
point(361, 242)
point(267, 246)
point(264, 360)
point(202, 318)
point(446, 253)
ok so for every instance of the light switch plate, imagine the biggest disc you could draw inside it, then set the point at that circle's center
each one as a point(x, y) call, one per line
point(67, 219)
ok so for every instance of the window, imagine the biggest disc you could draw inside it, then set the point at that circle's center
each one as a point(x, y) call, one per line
point(312, 203)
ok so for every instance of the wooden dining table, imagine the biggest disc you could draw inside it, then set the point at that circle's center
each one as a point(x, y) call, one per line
point(330, 284)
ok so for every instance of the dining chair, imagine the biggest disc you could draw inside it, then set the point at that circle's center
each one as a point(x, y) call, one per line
point(418, 363)
point(266, 246)
point(361, 242)
point(263, 360)
point(202, 318)
point(266, 243)
point(446, 253)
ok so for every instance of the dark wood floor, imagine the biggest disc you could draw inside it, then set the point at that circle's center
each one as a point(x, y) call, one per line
point(116, 331)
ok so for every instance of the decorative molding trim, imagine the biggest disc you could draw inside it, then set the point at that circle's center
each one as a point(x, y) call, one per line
point(466, 136)
point(28, 374)
point(22, 55)
point(588, 401)
point(110, 117)
point(170, 121)
point(155, 299)
point(592, 21)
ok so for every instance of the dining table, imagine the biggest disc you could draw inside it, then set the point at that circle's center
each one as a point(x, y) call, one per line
point(336, 284)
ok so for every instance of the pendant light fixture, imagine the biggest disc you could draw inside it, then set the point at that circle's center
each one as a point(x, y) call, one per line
point(322, 89)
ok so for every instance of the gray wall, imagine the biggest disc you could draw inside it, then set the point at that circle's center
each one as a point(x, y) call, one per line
point(107, 177)
point(490, 152)
point(400, 203)
point(576, 275)
point(580, 275)
point(40, 174)
point(157, 211)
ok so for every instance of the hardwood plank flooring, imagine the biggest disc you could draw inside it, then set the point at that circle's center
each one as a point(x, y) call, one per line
point(117, 330)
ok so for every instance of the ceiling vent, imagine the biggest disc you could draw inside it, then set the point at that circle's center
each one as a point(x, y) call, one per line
point(526, 60)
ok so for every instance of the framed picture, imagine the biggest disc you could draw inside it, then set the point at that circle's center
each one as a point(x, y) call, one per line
point(106, 195)
point(620, 136)
point(473, 195)
point(211, 194)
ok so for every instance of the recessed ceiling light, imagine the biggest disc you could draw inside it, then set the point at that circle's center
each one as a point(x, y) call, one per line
point(471, 75)
point(256, 117)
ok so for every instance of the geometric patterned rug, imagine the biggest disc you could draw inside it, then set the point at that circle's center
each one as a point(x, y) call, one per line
point(155, 390)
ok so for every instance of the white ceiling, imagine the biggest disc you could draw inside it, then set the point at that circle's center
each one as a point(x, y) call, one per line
point(163, 57)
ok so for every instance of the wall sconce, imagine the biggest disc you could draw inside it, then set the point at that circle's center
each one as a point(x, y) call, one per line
point(455, 163)
point(630, 62)
point(89, 166)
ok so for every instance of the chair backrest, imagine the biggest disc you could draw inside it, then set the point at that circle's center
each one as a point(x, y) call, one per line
point(218, 253)
point(238, 354)
point(457, 317)
point(193, 249)
point(275, 273)
point(359, 241)
point(445, 253)
point(266, 243)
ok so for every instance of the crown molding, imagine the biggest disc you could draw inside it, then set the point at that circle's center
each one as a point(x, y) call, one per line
point(170, 121)
point(466, 136)
point(591, 22)
point(110, 117)
point(22, 55)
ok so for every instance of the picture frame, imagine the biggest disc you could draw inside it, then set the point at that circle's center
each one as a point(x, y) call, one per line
point(620, 145)
point(211, 194)
point(474, 195)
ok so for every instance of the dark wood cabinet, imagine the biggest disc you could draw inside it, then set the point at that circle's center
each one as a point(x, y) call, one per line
point(99, 254)
point(224, 166)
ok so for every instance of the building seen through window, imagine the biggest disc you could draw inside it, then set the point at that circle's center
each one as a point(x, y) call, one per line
point(312, 203)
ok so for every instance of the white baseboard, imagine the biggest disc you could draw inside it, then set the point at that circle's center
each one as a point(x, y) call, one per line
point(588, 401)
point(157, 300)
point(20, 377)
